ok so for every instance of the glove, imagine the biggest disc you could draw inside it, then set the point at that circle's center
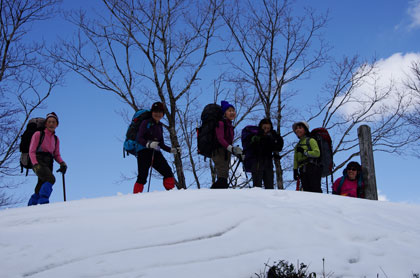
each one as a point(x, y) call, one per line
point(255, 139)
point(295, 174)
point(36, 168)
point(63, 167)
point(176, 150)
point(237, 151)
point(153, 145)
point(300, 150)
point(276, 156)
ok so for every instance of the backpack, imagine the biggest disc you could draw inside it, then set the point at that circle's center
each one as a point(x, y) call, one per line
point(359, 183)
point(206, 133)
point(131, 146)
point(246, 135)
point(34, 125)
point(325, 160)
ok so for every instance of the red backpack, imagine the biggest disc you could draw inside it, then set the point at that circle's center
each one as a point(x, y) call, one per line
point(324, 141)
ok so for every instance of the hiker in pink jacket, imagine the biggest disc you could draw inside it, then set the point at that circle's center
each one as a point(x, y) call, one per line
point(43, 150)
point(221, 156)
point(351, 183)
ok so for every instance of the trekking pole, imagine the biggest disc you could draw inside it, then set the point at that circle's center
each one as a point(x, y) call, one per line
point(151, 168)
point(64, 185)
point(64, 188)
point(234, 171)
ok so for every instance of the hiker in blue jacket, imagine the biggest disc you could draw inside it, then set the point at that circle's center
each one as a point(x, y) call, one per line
point(263, 144)
point(150, 135)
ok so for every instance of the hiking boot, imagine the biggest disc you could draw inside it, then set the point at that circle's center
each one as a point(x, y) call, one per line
point(33, 201)
point(221, 183)
point(169, 183)
point(138, 188)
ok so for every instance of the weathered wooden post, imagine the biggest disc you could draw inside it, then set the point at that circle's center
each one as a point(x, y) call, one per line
point(366, 157)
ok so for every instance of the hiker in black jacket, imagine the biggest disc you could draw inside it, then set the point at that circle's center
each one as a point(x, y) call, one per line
point(263, 144)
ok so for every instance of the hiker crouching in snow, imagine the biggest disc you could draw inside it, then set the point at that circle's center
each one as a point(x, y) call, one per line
point(306, 153)
point(150, 135)
point(351, 183)
point(221, 155)
point(43, 150)
point(263, 144)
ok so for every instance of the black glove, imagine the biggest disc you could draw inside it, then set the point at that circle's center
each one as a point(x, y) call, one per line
point(36, 168)
point(276, 156)
point(63, 168)
point(295, 174)
point(300, 150)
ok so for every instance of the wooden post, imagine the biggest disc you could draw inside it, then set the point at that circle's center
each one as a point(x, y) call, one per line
point(368, 165)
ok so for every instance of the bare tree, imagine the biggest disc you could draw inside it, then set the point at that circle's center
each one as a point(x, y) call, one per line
point(353, 97)
point(413, 85)
point(145, 50)
point(27, 77)
point(277, 48)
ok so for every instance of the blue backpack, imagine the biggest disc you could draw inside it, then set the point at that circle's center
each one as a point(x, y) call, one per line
point(131, 146)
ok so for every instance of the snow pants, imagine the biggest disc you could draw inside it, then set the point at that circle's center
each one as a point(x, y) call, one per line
point(310, 176)
point(262, 171)
point(45, 172)
point(46, 179)
point(147, 158)
point(221, 158)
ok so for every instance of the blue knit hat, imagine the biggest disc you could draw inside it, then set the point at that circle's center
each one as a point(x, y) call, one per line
point(225, 106)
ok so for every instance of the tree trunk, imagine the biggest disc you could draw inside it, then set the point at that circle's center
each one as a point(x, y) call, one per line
point(279, 174)
point(366, 157)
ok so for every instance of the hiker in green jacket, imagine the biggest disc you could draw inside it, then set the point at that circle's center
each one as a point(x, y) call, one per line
point(305, 165)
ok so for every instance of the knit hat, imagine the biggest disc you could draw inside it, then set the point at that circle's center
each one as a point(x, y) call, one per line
point(302, 123)
point(51, 115)
point(158, 107)
point(225, 106)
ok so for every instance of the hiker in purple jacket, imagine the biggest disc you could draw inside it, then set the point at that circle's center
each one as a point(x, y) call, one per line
point(150, 135)
point(221, 156)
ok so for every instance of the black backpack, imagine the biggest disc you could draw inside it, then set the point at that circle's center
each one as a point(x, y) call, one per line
point(206, 133)
point(34, 125)
point(131, 146)
point(325, 160)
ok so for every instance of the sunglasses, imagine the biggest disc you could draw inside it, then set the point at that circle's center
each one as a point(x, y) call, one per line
point(351, 169)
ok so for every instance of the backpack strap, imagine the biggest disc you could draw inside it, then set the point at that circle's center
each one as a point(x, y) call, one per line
point(307, 143)
point(41, 139)
point(359, 185)
point(338, 191)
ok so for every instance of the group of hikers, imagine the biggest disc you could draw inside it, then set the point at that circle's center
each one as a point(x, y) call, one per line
point(265, 144)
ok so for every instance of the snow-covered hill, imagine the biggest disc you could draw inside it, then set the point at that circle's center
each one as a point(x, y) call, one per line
point(210, 233)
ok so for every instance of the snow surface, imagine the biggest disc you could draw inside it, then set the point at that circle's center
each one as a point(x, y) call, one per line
point(210, 233)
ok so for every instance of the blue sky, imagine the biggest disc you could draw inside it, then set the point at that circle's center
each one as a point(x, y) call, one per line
point(91, 130)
